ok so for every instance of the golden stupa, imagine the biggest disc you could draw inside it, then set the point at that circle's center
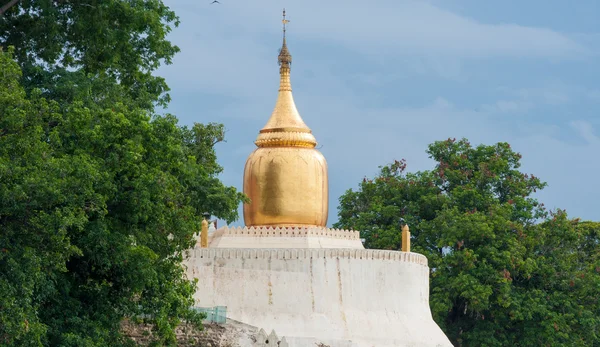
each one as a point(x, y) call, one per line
point(286, 177)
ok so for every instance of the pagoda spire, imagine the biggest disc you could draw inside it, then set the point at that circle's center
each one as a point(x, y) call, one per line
point(284, 58)
point(285, 127)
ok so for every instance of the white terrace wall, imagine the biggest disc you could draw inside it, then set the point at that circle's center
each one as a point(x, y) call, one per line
point(284, 237)
point(372, 297)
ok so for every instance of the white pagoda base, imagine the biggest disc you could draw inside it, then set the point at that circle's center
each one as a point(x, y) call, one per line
point(337, 297)
point(284, 237)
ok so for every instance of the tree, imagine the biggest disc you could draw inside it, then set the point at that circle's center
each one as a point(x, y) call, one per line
point(97, 208)
point(99, 197)
point(62, 45)
point(504, 270)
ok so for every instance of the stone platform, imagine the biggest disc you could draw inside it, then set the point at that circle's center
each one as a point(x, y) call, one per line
point(284, 237)
point(337, 297)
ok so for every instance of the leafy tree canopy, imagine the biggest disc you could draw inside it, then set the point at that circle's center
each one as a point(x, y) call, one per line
point(62, 46)
point(99, 197)
point(505, 271)
point(98, 203)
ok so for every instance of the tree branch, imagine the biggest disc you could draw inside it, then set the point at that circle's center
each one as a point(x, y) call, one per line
point(10, 4)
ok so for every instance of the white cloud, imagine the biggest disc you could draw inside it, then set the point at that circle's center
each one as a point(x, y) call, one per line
point(409, 26)
point(223, 46)
point(404, 27)
point(527, 99)
point(508, 106)
point(550, 94)
point(585, 131)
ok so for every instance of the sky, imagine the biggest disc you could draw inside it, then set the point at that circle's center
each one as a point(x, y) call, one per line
point(381, 80)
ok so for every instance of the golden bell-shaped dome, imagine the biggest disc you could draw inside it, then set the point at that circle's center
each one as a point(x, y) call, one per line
point(286, 177)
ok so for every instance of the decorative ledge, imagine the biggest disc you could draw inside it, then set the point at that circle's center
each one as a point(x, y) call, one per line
point(290, 232)
point(308, 253)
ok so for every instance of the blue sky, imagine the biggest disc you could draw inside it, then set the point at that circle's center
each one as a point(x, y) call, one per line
point(380, 80)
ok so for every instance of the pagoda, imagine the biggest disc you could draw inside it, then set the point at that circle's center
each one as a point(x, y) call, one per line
point(287, 273)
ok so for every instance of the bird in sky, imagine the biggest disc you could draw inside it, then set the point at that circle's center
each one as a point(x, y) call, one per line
point(215, 1)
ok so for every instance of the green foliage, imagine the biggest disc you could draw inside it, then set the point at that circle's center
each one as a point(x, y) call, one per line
point(61, 44)
point(98, 198)
point(504, 271)
point(98, 205)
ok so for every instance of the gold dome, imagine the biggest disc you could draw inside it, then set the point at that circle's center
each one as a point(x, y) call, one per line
point(286, 177)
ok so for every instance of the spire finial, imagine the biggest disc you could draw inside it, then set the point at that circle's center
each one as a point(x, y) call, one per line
point(284, 21)
point(285, 58)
